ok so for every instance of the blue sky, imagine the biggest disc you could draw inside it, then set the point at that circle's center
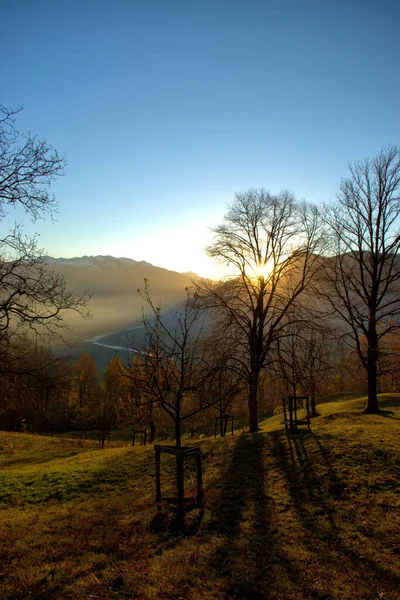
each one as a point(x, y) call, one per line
point(165, 109)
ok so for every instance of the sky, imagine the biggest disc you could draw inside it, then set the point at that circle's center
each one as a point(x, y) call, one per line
point(167, 108)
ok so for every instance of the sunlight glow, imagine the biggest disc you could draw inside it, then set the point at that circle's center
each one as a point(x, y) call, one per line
point(264, 270)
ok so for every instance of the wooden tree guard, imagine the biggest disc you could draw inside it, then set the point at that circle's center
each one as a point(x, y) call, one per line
point(224, 420)
point(180, 504)
point(290, 413)
point(103, 437)
point(143, 436)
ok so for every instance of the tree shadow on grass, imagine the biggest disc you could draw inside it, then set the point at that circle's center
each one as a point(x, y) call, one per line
point(317, 499)
point(248, 559)
point(389, 414)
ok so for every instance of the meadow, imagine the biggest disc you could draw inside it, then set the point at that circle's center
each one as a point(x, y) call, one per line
point(308, 516)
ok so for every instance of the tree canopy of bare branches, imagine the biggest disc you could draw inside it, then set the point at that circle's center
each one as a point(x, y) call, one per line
point(361, 280)
point(174, 361)
point(28, 166)
point(303, 356)
point(32, 297)
point(271, 243)
point(223, 382)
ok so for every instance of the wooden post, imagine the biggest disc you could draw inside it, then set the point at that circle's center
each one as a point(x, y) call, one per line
point(293, 423)
point(180, 486)
point(290, 414)
point(199, 471)
point(200, 493)
point(133, 437)
point(178, 503)
point(284, 412)
point(295, 412)
point(158, 480)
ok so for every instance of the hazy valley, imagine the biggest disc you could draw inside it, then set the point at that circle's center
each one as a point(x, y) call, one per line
point(116, 305)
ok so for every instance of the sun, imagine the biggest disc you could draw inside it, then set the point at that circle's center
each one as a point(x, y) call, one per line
point(264, 270)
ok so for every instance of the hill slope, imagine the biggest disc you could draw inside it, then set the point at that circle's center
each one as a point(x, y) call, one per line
point(313, 515)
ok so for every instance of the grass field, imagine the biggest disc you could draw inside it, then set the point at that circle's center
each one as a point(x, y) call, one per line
point(311, 516)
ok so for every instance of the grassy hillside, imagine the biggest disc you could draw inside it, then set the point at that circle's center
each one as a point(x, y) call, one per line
point(314, 515)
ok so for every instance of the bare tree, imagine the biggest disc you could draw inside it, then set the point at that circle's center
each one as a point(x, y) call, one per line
point(289, 362)
point(361, 279)
point(303, 357)
point(223, 382)
point(270, 242)
point(173, 361)
point(31, 295)
point(28, 166)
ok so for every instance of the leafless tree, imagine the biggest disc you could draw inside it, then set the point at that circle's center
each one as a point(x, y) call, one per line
point(32, 297)
point(289, 362)
point(224, 381)
point(173, 361)
point(270, 242)
point(28, 166)
point(303, 356)
point(362, 276)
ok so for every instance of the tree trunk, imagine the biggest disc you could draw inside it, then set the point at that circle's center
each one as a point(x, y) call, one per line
point(180, 515)
point(178, 441)
point(372, 405)
point(313, 398)
point(253, 405)
point(152, 432)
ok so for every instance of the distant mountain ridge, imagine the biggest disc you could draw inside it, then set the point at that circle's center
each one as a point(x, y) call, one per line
point(101, 260)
